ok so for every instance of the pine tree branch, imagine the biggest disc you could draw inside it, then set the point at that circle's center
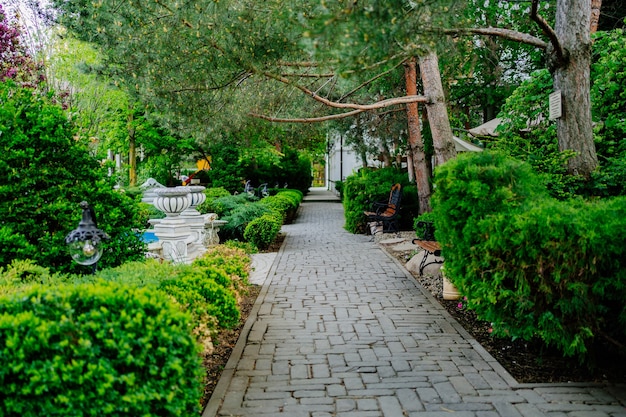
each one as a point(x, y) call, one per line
point(509, 34)
point(548, 31)
point(307, 119)
point(334, 104)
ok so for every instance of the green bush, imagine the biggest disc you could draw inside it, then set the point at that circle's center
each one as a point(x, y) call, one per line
point(293, 169)
point(421, 230)
point(212, 194)
point(23, 272)
point(285, 202)
point(138, 273)
point(224, 206)
point(532, 265)
point(262, 231)
point(247, 247)
point(239, 218)
point(233, 261)
point(92, 350)
point(363, 189)
point(539, 144)
point(215, 299)
point(339, 187)
point(40, 191)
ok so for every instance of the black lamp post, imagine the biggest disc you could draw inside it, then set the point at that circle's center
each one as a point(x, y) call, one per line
point(85, 241)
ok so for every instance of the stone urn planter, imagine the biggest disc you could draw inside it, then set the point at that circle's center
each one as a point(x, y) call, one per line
point(450, 292)
point(173, 231)
point(172, 201)
point(196, 197)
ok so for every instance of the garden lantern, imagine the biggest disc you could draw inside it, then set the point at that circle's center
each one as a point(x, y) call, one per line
point(85, 241)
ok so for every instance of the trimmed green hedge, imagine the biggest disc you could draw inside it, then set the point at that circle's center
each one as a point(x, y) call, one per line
point(286, 202)
point(92, 350)
point(263, 230)
point(532, 265)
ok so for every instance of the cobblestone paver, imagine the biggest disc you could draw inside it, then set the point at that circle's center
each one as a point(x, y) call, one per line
point(341, 329)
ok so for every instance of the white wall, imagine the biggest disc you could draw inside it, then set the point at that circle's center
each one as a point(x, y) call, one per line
point(341, 161)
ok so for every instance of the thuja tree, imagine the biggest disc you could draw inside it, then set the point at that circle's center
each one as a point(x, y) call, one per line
point(45, 171)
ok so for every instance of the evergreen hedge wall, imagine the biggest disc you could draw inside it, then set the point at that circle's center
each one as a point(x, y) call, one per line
point(532, 265)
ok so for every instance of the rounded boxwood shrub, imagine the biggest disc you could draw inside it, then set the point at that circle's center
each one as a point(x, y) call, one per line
point(262, 231)
point(233, 261)
point(215, 299)
point(93, 350)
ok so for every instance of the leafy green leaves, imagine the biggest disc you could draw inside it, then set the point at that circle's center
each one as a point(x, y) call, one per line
point(534, 266)
point(44, 173)
point(96, 349)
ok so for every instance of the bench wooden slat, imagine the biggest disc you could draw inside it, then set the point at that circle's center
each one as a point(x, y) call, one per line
point(429, 245)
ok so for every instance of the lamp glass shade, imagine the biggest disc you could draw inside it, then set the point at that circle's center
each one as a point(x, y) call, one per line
point(85, 252)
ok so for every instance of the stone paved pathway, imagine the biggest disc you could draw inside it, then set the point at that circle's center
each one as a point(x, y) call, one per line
point(341, 329)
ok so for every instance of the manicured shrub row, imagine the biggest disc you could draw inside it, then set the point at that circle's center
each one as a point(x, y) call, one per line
point(532, 265)
point(246, 215)
point(286, 202)
point(96, 349)
point(366, 187)
point(124, 342)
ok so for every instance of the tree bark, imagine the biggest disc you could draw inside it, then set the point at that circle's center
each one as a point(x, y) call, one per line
point(417, 155)
point(436, 110)
point(132, 152)
point(596, 5)
point(574, 128)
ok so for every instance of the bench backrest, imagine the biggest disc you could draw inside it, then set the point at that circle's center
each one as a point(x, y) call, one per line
point(395, 196)
point(393, 205)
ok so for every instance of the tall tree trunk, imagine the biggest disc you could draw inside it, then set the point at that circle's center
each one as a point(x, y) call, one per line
point(132, 152)
point(596, 5)
point(416, 144)
point(436, 108)
point(574, 129)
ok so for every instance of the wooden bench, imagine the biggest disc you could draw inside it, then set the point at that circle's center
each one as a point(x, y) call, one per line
point(431, 248)
point(429, 245)
point(387, 212)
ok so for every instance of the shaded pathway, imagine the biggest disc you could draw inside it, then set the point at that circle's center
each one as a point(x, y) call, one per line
point(341, 329)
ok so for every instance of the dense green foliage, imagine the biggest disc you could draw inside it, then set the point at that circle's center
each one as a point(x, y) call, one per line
point(421, 229)
point(608, 74)
point(92, 350)
point(241, 209)
point(239, 218)
point(532, 265)
point(224, 205)
point(292, 169)
point(208, 285)
point(526, 133)
point(366, 187)
point(286, 202)
point(263, 230)
point(40, 190)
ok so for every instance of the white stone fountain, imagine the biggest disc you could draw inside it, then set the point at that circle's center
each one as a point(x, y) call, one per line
point(173, 231)
point(184, 233)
